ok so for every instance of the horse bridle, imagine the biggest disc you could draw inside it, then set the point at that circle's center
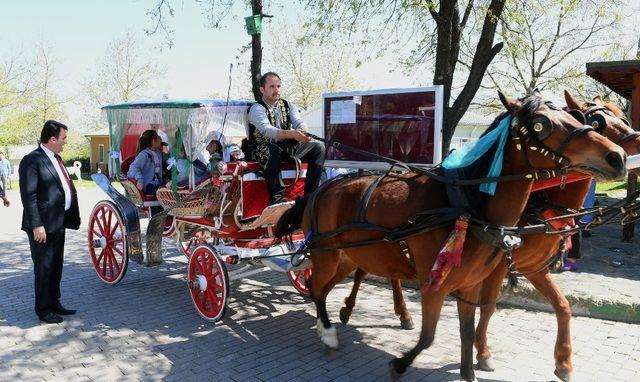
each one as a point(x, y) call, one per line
point(599, 123)
point(538, 129)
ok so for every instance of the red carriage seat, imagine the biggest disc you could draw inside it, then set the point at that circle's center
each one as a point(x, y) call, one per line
point(124, 167)
point(130, 184)
point(254, 193)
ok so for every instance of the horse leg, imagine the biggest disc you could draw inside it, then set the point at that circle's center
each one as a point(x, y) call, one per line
point(400, 307)
point(488, 298)
point(350, 301)
point(544, 283)
point(431, 305)
point(327, 332)
point(466, 317)
point(324, 269)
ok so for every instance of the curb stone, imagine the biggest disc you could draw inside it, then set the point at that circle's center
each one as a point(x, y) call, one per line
point(527, 297)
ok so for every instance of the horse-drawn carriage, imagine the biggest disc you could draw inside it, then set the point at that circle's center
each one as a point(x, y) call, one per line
point(220, 220)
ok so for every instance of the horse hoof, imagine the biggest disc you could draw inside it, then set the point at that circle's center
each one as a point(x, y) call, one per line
point(344, 316)
point(564, 375)
point(394, 373)
point(407, 324)
point(328, 350)
point(329, 337)
point(486, 364)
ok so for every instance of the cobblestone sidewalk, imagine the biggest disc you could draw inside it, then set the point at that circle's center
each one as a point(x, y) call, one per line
point(146, 329)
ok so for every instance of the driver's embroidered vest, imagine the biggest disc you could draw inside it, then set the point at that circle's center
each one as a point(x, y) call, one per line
point(255, 136)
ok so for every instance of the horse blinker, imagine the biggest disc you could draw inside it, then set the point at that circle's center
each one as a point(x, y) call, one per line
point(579, 115)
point(541, 126)
point(598, 122)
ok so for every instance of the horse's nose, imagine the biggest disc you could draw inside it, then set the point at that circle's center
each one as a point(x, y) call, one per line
point(616, 161)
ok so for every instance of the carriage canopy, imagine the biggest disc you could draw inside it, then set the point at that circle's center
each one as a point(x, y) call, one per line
point(185, 121)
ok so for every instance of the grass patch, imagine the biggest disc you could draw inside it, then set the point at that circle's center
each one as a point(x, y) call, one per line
point(15, 184)
point(611, 187)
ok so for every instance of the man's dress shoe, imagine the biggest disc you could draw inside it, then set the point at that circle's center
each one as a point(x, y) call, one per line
point(65, 312)
point(51, 318)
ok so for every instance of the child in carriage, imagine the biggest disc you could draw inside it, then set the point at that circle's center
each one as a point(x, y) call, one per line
point(182, 166)
point(146, 169)
point(215, 158)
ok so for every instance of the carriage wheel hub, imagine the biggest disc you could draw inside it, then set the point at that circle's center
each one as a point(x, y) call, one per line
point(100, 242)
point(200, 283)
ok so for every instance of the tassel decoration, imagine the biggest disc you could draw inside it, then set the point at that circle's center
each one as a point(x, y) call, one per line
point(449, 256)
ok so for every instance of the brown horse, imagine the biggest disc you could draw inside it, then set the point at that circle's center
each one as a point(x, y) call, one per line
point(538, 249)
point(399, 197)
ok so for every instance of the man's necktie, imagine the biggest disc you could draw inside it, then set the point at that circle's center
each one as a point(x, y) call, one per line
point(66, 176)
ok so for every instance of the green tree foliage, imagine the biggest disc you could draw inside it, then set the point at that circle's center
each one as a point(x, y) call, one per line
point(309, 68)
point(215, 11)
point(547, 43)
point(33, 98)
point(123, 74)
point(432, 31)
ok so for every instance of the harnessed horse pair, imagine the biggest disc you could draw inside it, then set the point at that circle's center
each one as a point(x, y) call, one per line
point(564, 200)
point(545, 141)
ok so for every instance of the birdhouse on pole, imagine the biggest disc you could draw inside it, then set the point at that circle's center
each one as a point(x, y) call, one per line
point(253, 24)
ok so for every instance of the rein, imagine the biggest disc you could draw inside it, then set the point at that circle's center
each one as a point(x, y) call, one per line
point(527, 136)
point(536, 174)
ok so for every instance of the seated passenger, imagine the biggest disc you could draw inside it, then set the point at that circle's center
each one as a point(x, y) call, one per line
point(182, 165)
point(146, 169)
point(216, 166)
point(235, 153)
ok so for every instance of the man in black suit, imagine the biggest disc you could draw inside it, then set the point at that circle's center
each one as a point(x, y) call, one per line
point(50, 204)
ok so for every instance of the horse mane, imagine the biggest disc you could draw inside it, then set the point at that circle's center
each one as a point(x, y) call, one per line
point(480, 167)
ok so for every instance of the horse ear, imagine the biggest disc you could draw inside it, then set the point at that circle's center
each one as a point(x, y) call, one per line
point(598, 100)
point(572, 102)
point(509, 103)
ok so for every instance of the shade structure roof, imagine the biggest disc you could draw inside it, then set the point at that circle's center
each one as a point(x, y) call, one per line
point(617, 75)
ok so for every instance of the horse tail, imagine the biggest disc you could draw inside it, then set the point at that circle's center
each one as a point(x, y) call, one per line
point(292, 219)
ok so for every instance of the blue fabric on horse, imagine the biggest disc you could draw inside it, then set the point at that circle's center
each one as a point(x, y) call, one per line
point(469, 155)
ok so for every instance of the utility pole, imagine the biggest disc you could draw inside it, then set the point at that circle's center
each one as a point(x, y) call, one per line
point(256, 51)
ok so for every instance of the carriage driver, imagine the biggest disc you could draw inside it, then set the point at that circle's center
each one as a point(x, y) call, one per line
point(276, 134)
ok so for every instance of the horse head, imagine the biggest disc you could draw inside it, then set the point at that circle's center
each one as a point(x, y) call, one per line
point(607, 119)
point(551, 138)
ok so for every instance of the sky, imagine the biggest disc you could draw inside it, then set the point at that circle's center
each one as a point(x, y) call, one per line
point(77, 32)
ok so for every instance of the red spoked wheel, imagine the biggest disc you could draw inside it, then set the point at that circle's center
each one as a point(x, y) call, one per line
point(169, 226)
point(208, 283)
point(108, 243)
point(300, 280)
point(200, 236)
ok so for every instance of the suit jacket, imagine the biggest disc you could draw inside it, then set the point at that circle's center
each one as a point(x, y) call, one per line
point(42, 195)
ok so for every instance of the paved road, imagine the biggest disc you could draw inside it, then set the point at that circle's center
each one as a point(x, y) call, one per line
point(146, 329)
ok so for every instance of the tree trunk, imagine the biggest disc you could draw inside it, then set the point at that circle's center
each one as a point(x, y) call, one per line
point(256, 53)
point(449, 33)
